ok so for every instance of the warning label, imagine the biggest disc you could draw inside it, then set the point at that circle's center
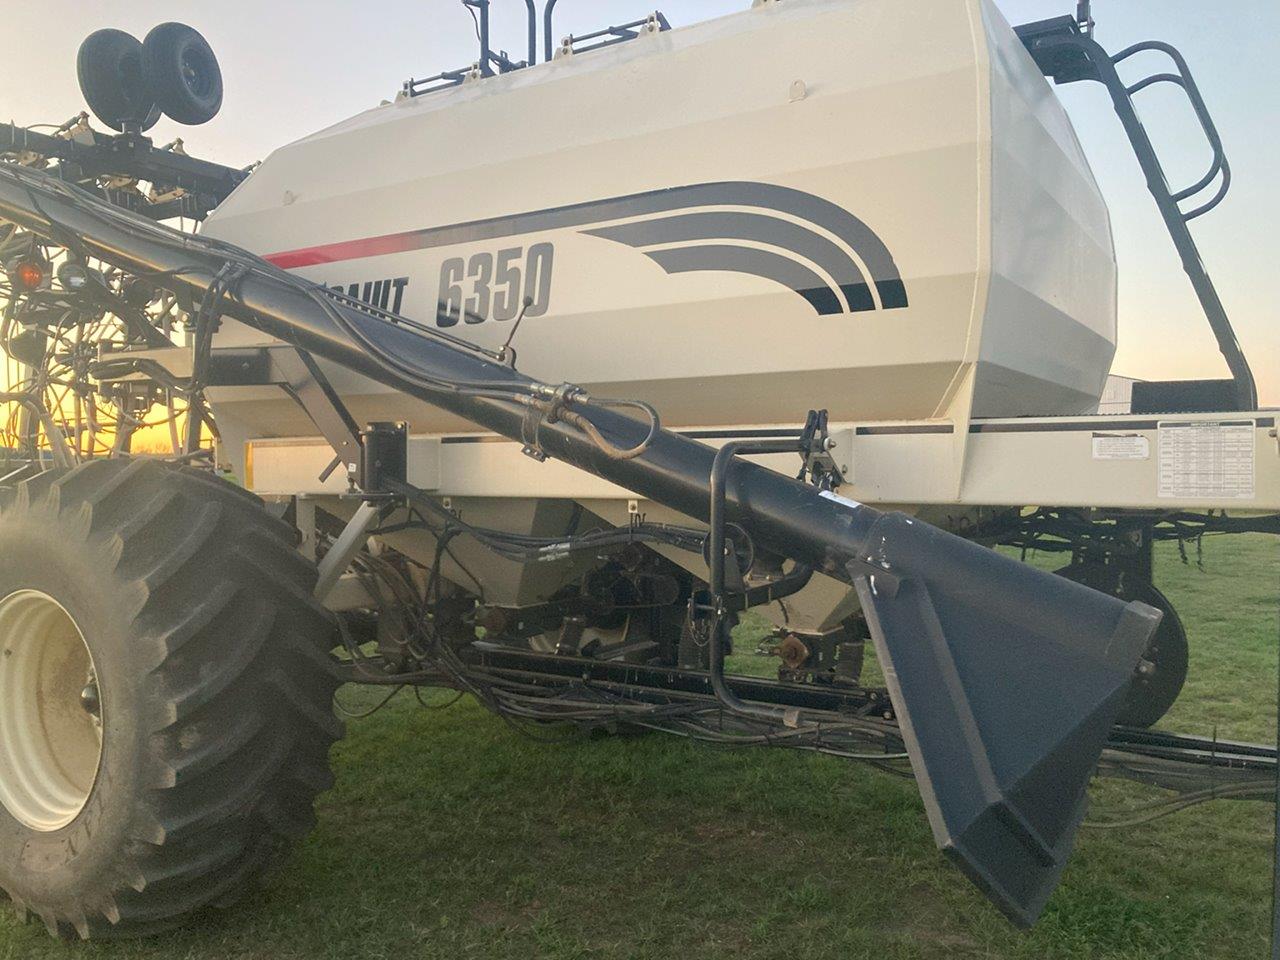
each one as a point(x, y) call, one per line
point(1121, 446)
point(1209, 460)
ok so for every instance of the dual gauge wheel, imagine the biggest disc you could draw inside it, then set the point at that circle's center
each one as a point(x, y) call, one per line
point(130, 83)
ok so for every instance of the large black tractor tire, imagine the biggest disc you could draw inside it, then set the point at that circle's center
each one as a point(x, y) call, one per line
point(164, 611)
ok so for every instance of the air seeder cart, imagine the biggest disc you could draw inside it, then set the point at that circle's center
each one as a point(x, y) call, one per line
point(820, 300)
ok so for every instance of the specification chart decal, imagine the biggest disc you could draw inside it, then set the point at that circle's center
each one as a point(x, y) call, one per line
point(1121, 446)
point(1206, 459)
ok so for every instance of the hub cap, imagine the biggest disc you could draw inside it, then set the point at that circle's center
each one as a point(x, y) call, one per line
point(50, 714)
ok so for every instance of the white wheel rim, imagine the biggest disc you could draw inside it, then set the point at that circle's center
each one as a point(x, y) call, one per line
point(50, 742)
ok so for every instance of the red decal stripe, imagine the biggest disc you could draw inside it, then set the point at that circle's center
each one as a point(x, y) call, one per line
point(346, 250)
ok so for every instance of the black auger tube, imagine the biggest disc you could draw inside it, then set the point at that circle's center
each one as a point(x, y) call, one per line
point(788, 517)
point(783, 514)
point(1005, 679)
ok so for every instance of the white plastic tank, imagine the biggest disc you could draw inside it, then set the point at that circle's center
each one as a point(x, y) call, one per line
point(874, 206)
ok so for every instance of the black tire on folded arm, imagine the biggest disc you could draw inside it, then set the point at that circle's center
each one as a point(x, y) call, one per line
point(109, 66)
point(183, 73)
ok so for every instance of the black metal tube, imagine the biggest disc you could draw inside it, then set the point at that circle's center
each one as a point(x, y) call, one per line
point(1186, 81)
point(1174, 219)
point(57, 441)
point(715, 561)
point(548, 41)
point(778, 589)
point(486, 56)
point(532, 9)
point(716, 511)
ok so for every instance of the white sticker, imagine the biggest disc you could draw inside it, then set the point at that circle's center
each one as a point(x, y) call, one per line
point(839, 499)
point(1121, 446)
point(1207, 459)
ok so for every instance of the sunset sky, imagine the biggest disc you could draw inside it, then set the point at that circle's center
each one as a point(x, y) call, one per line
point(293, 67)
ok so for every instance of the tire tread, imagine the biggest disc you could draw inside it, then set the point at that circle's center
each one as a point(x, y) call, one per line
point(235, 649)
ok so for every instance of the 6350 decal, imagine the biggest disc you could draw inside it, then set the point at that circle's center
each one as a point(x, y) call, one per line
point(494, 286)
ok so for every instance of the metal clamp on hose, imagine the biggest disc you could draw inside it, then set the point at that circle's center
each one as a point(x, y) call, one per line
point(552, 406)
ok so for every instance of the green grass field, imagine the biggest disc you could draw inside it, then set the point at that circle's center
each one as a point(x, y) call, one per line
point(450, 836)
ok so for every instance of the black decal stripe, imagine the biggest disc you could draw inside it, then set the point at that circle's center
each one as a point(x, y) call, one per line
point(823, 213)
point(756, 433)
point(761, 263)
point(834, 219)
point(837, 221)
point(755, 227)
point(904, 430)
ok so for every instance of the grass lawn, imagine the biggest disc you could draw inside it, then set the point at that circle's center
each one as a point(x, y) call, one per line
point(450, 836)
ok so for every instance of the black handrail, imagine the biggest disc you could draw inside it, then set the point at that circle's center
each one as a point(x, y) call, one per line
point(548, 44)
point(532, 9)
point(482, 27)
point(1067, 55)
point(1184, 79)
point(718, 600)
